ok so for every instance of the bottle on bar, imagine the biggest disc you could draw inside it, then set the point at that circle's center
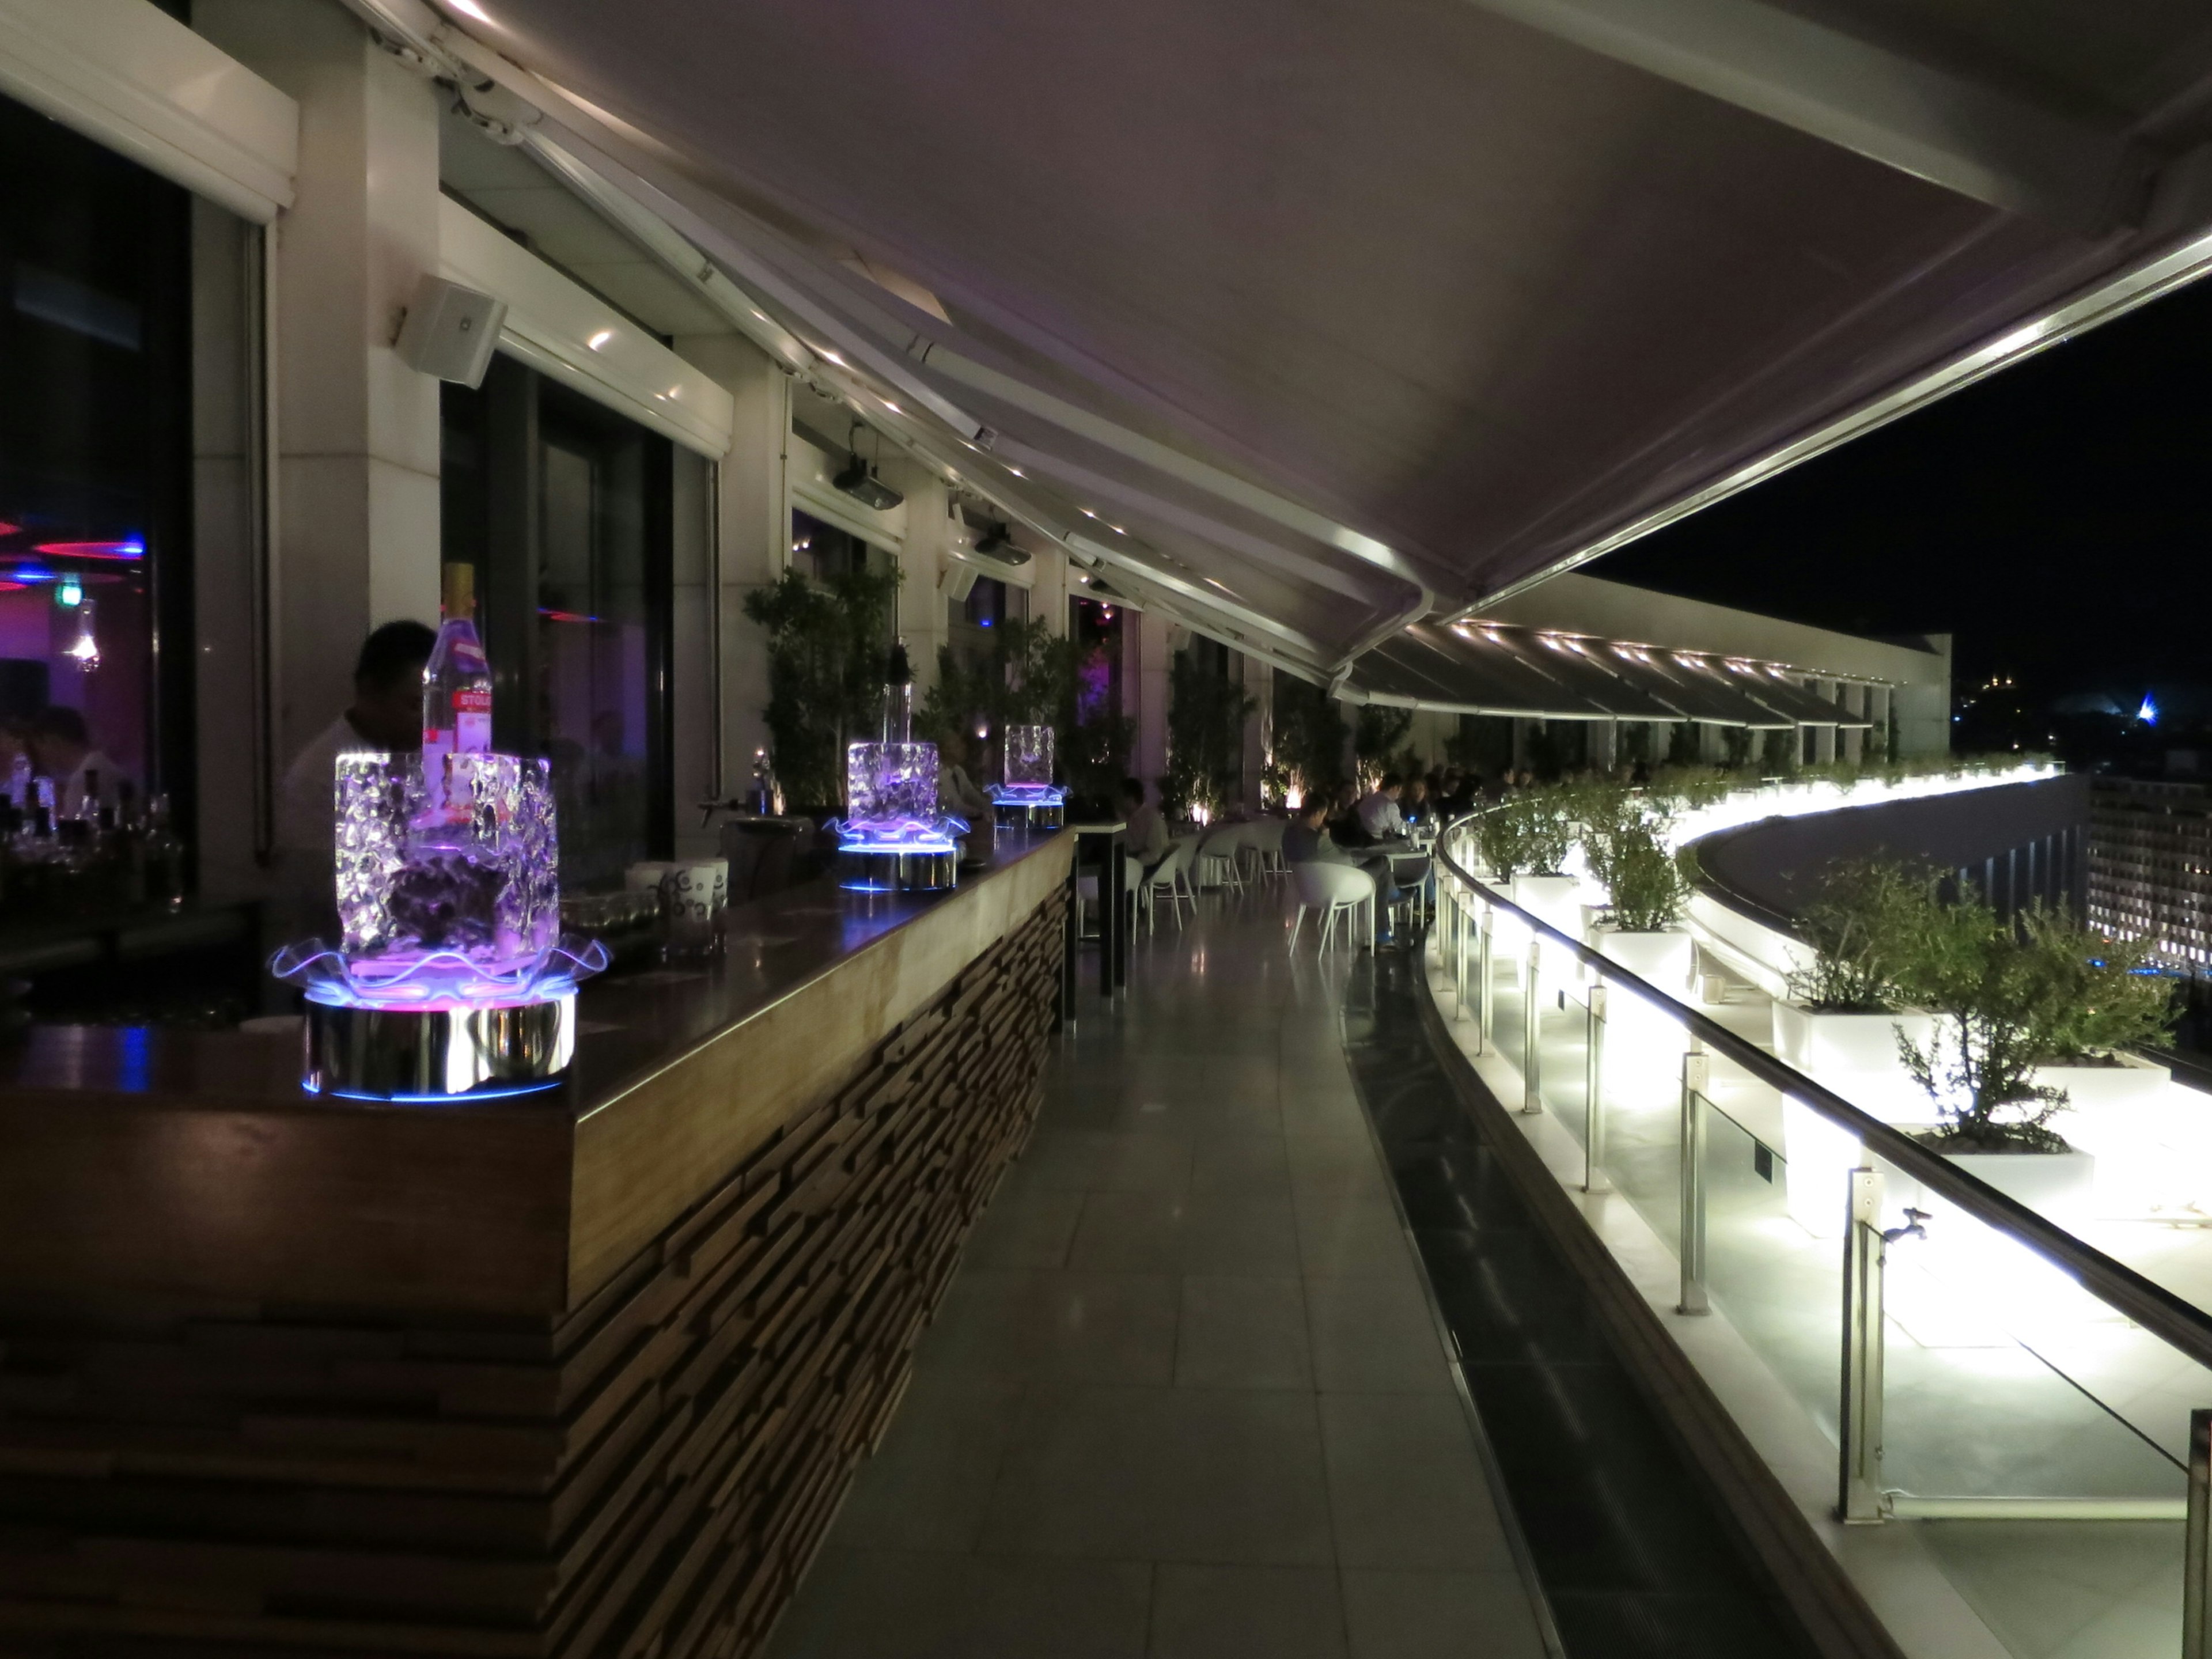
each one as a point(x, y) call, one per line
point(898, 696)
point(164, 857)
point(456, 688)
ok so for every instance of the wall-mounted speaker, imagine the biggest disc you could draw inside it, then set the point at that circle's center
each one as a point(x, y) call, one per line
point(450, 332)
point(958, 582)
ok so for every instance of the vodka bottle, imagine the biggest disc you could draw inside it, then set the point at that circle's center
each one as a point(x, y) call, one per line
point(456, 688)
point(898, 697)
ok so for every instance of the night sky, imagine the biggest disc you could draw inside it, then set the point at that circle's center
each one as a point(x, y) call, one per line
point(2056, 518)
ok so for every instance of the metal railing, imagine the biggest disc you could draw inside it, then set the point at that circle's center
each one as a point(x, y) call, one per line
point(1468, 912)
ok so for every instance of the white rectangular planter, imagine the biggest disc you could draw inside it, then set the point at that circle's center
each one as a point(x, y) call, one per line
point(1551, 899)
point(1815, 1043)
point(1660, 960)
point(2059, 1186)
point(2131, 1083)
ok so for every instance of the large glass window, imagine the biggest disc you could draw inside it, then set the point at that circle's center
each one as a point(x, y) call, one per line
point(96, 458)
point(564, 509)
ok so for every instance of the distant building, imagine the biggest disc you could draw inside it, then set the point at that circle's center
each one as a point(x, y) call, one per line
point(2150, 866)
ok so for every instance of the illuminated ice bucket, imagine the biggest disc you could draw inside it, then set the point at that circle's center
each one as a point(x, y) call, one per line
point(1029, 795)
point(894, 839)
point(451, 977)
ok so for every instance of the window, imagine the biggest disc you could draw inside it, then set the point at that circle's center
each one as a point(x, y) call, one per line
point(95, 451)
point(971, 622)
point(564, 508)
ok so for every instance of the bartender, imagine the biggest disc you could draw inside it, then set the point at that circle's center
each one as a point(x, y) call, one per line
point(61, 749)
point(386, 714)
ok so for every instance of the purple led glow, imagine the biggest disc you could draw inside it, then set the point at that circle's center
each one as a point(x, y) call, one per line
point(453, 909)
point(899, 834)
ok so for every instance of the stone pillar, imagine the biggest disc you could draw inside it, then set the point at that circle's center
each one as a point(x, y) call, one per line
point(1854, 739)
point(356, 537)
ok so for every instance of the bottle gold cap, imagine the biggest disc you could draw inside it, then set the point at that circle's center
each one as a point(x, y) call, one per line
point(459, 592)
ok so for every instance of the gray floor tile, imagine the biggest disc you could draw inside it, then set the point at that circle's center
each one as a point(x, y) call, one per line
point(929, 1482)
point(1439, 1616)
point(1097, 1161)
point(1018, 1323)
point(1246, 1612)
point(1028, 1226)
point(1338, 1160)
point(1232, 1162)
point(1172, 1474)
point(1351, 1234)
point(874, 1604)
point(1375, 1335)
point(1242, 1334)
point(1211, 1232)
point(1405, 1487)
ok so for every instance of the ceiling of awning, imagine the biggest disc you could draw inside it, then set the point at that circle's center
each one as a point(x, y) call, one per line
point(1365, 307)
point(1497, 668)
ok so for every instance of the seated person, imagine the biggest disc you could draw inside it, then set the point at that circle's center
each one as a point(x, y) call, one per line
point(1378, 813)
point(1146, 837)
point(1344, 825)
point(1307, 840)
point(1414, 807)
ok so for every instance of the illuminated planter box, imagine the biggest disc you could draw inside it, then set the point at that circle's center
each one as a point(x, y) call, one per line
point(451, 977)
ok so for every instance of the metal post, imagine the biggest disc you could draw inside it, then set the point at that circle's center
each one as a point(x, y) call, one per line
point(2196, 1567)
point(1485, 988)
point(1695, 1066)
point(1859, 1495)
point(1532, 1026)
point(1461, 921)
point(1594, 1175)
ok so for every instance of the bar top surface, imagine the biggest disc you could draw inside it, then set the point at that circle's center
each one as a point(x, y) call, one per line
point(631, 1025)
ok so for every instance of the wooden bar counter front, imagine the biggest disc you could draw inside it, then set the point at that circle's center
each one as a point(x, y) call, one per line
point(581, 1373)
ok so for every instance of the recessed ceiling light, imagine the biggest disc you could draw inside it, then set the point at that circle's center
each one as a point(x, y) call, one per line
point(1088, 513)
point(1017, 473)
point(832, 357)
point(469, 8)
point(893, 407)
point(599, 340)
point(760, 316)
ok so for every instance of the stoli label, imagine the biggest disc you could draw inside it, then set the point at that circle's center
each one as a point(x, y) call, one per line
point(472, 722)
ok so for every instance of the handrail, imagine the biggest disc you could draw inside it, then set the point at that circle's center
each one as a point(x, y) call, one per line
point(2180, 1324)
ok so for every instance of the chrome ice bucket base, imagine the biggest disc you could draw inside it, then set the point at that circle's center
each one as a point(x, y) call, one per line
point(390, 1054)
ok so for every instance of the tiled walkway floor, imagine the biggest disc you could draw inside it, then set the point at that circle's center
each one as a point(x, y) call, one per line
point(1186, 1396)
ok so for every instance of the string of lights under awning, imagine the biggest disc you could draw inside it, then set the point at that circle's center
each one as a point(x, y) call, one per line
point(1485, 668)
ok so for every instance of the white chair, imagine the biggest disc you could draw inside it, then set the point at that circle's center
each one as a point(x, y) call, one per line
point(1333, 890)
point(1220, 857)
point(1132, 876)
point(1264, 838)
point(1172, 877)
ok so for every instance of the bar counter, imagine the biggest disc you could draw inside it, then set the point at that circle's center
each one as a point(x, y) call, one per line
point(575, 1372)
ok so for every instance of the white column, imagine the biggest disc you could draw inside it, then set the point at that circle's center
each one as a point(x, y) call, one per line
point(754, 529)
point(1259, 728)
point(358, 429)
point(922, 605)
point(1604, 745)
point(1148, 685)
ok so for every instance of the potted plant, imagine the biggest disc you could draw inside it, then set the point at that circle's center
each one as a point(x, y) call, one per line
point(1543, 839)
point(1647, 888)
point(1843, 1015)
point(2014, 994)
point(2115, 1003)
